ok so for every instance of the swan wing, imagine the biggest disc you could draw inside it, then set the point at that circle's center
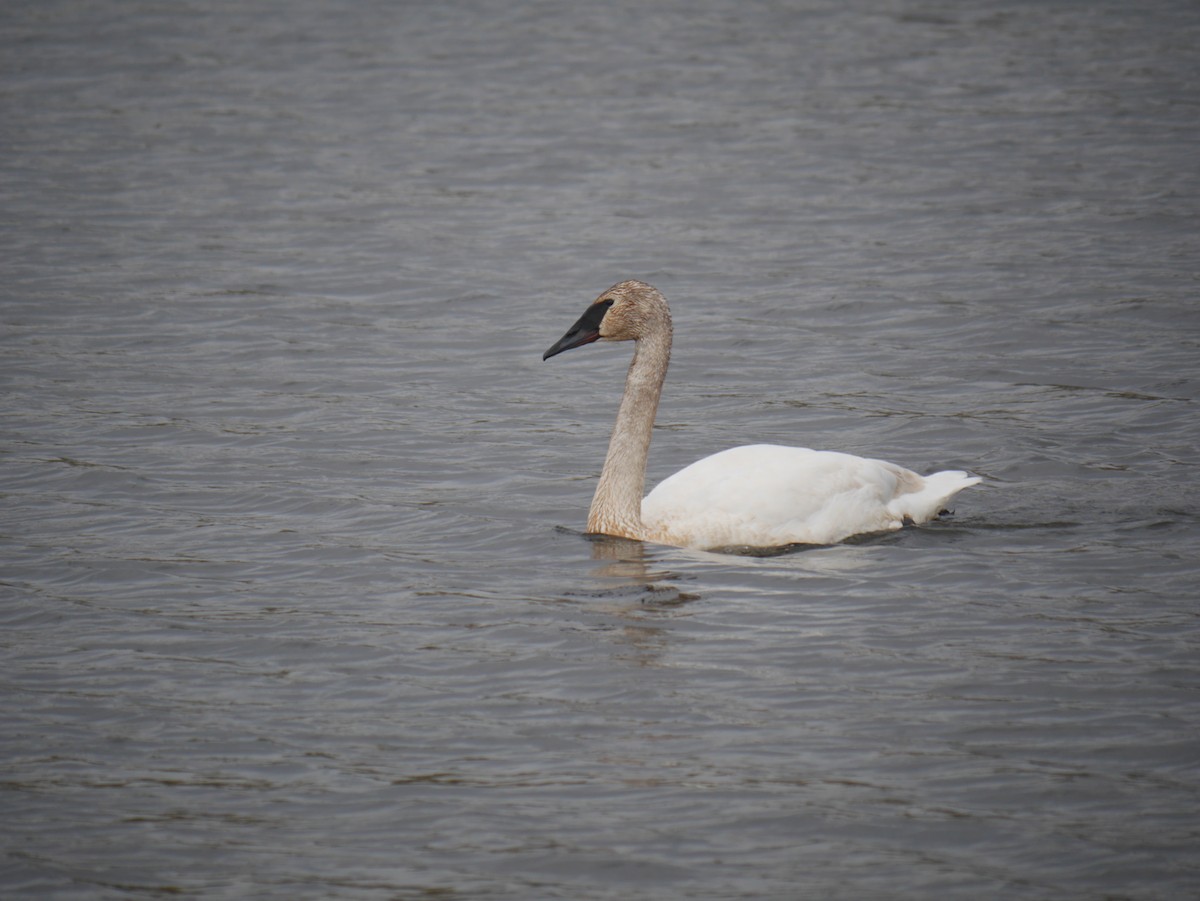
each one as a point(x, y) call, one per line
point(763, 495)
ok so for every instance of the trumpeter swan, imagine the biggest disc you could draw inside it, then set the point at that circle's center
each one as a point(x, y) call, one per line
point(758, 495)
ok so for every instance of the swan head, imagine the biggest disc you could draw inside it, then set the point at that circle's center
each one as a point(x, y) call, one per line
point(628, 311)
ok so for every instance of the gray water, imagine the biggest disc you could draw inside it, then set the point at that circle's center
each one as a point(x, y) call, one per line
point(295, 597)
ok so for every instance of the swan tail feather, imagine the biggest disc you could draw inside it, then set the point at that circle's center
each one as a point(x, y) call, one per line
point(930, 499)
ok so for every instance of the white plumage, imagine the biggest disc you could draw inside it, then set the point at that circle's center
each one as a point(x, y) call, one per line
point(758, 495)
point(764, 495)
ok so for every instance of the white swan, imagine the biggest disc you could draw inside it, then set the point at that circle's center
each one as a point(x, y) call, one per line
point(759, 495)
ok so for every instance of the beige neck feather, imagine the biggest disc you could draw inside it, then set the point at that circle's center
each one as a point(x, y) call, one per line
point(617, 504)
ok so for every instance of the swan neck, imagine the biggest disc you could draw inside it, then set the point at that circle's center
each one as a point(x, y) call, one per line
point(617, 504)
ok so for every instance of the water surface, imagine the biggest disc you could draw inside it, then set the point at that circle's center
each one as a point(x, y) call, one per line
point(295, 600)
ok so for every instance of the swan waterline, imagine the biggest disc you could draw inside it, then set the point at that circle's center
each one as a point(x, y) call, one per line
point(754, 496)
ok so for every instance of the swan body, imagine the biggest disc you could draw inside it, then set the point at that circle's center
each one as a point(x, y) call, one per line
point(757, 495)
point(764, 495)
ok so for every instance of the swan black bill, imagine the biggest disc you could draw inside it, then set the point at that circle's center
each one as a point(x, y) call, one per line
point(585, 331)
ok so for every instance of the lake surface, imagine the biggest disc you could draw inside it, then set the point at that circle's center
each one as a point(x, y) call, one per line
point(296, 602)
